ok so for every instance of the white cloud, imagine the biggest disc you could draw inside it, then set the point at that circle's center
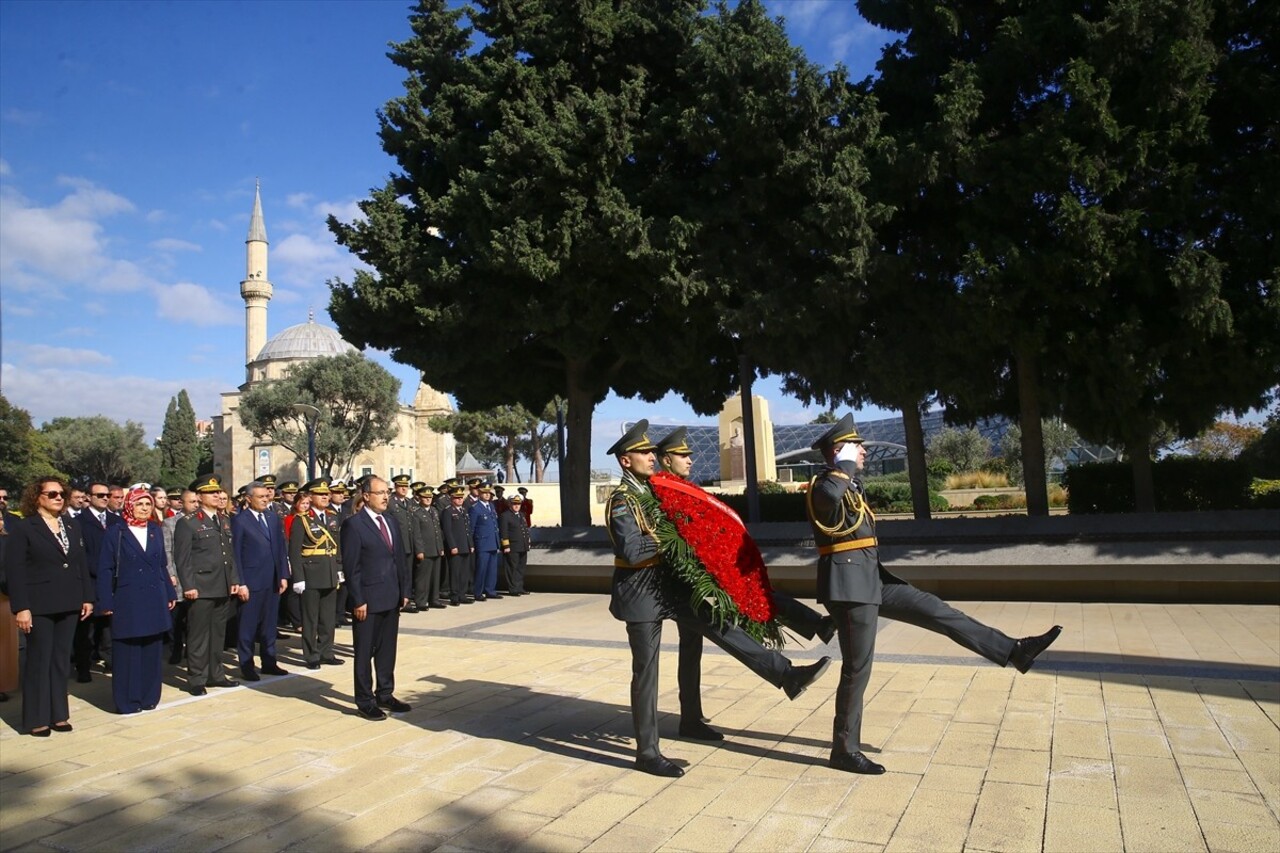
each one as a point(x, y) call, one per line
point(50, 392)
point(193, 303)
point(5, 171)
point(155, 217)
point(173, 244)
point(23, 118)
point(43, 355)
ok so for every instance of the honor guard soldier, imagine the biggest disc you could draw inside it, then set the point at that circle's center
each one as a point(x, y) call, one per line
point(429, 540)
point(315, 556)
point(857, 591)
point(514, 534)
point(204, 560)
point(401, 507)
point(456, 528)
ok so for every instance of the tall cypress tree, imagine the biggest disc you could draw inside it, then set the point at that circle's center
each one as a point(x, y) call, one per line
point(178, 445)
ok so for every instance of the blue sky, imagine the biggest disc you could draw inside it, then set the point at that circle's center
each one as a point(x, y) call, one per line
point(131, 135)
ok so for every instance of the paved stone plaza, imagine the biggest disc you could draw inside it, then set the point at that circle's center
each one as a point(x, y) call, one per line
point(1146, 727)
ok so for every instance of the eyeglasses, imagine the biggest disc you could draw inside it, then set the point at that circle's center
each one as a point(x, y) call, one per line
point(54, 494)
point(99, 495)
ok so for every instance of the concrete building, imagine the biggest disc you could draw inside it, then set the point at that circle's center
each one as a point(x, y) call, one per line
point(239, 457)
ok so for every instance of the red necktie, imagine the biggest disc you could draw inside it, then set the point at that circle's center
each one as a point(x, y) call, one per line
point(386, 534)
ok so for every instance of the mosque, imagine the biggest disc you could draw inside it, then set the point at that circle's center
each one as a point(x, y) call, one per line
point(240, 457)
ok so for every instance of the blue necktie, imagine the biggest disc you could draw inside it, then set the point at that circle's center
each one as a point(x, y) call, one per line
point(262, 516)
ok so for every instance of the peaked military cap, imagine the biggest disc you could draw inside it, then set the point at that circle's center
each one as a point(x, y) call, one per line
point(268, 480)
point(634, 440)
point(474, 482)
point(423, 489)
point(486, 489)
point(458, 492)
point(318, 486)
point(842, 432)
point(243, 490)
point(415, 485)
point(400, 480)
point(515, 499)
point(289, 487)
point(338, 488)
point(522, 490)
point(676, 441)
point(206, 485)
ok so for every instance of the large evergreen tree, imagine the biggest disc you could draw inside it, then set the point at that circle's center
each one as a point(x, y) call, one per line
point(179, 447)
point(24, 451)
point(100, 449)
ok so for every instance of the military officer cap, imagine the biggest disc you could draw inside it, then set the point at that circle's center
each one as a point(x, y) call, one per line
point(423, 489)
point(289, 487)
point(676, 441)
point(268, 480)
point(474, 482)
point(486, 489)
point(499, 489)
point(634, 440)
point(458, 492)
point(178, 490)
point(522, 490)
point(515, 499)
point(842, 432)
point(415, 485)
point(361, 483)
point(243, 490)
point(338, 488)
point(206, 485)
point(318, 486)
point(401, 480)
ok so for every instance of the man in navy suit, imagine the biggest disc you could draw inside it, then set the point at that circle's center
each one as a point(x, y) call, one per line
point(93, 635)
point(377, 573)
point(257, 537)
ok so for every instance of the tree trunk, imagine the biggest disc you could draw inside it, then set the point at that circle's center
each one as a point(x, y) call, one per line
point(575, 468)
point(536, 466)
point(509, 458)
point(747, 375)
point(1144, 489)
point(917, 465)
point(1033, 476)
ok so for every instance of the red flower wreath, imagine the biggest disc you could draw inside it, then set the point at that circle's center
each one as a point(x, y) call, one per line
point(707, 545)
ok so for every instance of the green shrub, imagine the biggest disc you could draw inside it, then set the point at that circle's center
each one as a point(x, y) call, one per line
point(771, 487)
point(883, 493)
point(1181, 483)
point(900, 507)
point(937, 503)
point(1265, 494)
point(938, 471)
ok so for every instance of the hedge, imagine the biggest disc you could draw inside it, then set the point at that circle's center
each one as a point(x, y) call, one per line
point(1181, 483)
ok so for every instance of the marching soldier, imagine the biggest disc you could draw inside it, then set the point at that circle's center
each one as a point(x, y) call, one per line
point(514, 533)
point(205, 563)
point(429, 539)
point(857, 591)
point(316, 559)
point(456, 528)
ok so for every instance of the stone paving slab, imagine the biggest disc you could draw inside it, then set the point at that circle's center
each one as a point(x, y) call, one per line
point(1145, 727)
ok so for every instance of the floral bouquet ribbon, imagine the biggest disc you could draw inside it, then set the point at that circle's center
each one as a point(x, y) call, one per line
point(707, 546)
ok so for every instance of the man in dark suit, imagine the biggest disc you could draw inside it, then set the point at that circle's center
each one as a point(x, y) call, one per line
point(857, 590)
point(643, 595)
point(93, 635)
point(513, 531)
point(203, 556)
point(262, 561)
point(373, 559)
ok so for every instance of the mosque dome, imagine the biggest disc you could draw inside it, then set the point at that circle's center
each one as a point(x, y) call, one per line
point(305, 340)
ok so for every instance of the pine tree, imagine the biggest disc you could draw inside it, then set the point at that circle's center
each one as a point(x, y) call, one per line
point(179, 445)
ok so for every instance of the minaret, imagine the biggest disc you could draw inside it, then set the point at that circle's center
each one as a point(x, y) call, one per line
point(256, 288)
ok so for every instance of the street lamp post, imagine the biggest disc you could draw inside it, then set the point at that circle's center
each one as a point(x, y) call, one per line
point(312, 415)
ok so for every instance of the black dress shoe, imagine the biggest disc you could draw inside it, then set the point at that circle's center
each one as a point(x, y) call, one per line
point(374, 713)
point(482, 597)
point(62, 727)
point(698, 730)
point(226, 682)
point(495, 595)
point(438, 606)
point(411, 607)
point(313, 666)
point(454, 603)
point(658, 766)
point(855, 762)
point(197, 691)
point(249, 674)
point(83, 678)
point(826, 629)
point(332, 661)
point(106, 668)
point(41, 733)
point(394, 704)
point(798, 678)
point(1026, 650)
point(274, 670)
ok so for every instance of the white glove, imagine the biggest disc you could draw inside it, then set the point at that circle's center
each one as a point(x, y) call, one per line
point(848, 452)
point(342, 578)
point(299, 587)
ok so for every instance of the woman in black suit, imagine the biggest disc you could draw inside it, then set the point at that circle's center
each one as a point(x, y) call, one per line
point(49, 590)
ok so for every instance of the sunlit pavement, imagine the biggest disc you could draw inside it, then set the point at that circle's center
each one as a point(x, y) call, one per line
point(1145, 727)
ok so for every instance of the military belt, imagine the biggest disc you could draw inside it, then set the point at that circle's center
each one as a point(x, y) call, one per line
point(319, 552)
point(620, 563)
point(851, 545)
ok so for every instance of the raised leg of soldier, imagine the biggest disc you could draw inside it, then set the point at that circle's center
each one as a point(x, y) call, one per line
point(902, 602)
point(803, 619)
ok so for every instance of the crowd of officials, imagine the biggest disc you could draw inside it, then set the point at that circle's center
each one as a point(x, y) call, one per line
point(112, 576)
